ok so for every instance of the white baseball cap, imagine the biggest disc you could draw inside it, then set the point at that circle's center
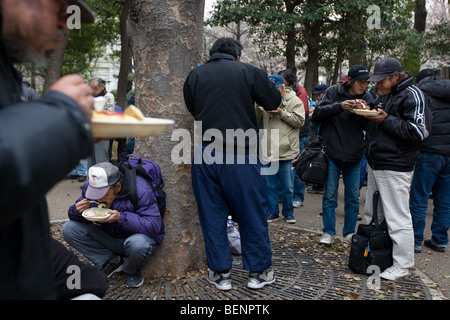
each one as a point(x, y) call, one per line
point(101, 177)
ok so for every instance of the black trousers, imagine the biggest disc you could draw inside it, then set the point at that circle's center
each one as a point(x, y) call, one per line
point(74, 277)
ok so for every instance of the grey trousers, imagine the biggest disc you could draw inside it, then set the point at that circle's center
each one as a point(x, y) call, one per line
point(99, 246)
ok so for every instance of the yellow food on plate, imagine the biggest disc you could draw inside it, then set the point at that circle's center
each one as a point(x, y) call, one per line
point(112, 116)
point(94, 213)
point(134, 112)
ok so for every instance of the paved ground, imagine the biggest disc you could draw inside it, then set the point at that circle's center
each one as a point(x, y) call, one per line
point(305, 270)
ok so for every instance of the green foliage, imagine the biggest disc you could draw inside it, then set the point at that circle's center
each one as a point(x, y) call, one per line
point(343, 26)
point(88, 43)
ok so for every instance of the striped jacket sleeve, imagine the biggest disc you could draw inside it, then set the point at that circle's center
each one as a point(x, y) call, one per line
point(412, 120)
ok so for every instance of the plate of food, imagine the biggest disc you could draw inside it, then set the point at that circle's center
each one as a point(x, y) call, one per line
point(131, 123)
point(96, 214)
point(366, 112)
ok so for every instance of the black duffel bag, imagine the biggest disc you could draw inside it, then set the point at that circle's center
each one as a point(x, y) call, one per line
point(371, 244)
point(311, 165)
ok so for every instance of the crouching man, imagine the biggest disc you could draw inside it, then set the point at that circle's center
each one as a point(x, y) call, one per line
point(128, 237)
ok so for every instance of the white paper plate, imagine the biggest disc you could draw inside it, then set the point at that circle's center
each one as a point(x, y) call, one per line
point(122, 129)
point(363, 112)
point(103, 211)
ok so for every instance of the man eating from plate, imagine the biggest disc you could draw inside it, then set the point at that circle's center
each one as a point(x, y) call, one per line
point(127, 238)
point(394, 140)
point(343, 139)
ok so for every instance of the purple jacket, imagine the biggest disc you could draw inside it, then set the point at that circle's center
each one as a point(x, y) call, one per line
point(144, 219)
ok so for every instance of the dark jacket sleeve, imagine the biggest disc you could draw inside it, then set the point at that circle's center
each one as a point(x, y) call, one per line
point(328, 106)
point(188, 99)
point(411, 124)
point(265, 92)
point(40, 142)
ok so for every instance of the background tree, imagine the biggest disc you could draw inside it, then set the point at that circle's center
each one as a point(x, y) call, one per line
point(334, 34)
point(166, 38)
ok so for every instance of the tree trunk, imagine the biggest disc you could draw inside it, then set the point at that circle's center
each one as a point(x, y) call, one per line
point(420, 15)
point(291, 39)
point(125, 58)
point(166, 38)
point(312, 37)
point(54, 66)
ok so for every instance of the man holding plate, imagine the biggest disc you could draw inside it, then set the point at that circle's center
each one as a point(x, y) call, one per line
point(343, 141)
point(394, 140)
point(127, 236)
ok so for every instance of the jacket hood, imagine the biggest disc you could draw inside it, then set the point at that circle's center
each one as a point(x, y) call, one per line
point(438, 89)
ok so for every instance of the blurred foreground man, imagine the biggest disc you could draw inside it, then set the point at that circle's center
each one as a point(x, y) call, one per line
point(40, 142)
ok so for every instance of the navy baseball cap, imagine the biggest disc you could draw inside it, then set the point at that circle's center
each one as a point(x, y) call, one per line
point(385, 67)
point(320, 88)
point(358, 72)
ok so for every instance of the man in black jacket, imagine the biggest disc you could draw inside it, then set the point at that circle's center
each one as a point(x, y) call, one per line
point(394, 138)
point(221, 96)
point(39, 143)
point(432, 169)
point(343, 140)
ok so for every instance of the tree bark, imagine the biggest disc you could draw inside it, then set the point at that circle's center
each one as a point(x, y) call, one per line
point(312, 36)
point(166, 38)
point(54, 66)
point(125, 57)
point(420, 15)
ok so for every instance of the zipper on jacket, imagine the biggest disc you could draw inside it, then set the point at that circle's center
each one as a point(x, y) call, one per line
point(376, 129)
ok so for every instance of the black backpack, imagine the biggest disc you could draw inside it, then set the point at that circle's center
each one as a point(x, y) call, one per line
point(133, 166)
point(371, 244)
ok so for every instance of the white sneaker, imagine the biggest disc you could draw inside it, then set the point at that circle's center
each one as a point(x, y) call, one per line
point(297, 204)
point(257, 280)
point(394, 273)
point(222, 281)
point(347, 238)
point(326, 239)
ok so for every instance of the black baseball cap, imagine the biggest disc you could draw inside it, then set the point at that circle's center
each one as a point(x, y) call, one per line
point(385, 67)
point(86, 14)
point(358, 72)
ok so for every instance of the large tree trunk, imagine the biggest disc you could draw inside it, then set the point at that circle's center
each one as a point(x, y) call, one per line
point(54, 66)
point(166, 38)
point(312, 36)
point(125, 58)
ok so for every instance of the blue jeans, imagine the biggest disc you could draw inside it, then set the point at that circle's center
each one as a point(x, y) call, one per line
point(431, 174)
point(350, 177)
point(280, 186)
point(80, 169)
point(299, 184)
point(99, 246)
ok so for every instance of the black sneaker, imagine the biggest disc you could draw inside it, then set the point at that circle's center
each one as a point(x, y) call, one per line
point(222, 281)
point(430, 243)
point(135, 280)
point(113, 265)
point(257, 280)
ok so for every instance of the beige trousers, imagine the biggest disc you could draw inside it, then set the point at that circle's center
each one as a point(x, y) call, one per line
point(393, 206)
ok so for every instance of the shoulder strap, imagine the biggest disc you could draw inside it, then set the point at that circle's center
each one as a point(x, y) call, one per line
point(375, 198)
